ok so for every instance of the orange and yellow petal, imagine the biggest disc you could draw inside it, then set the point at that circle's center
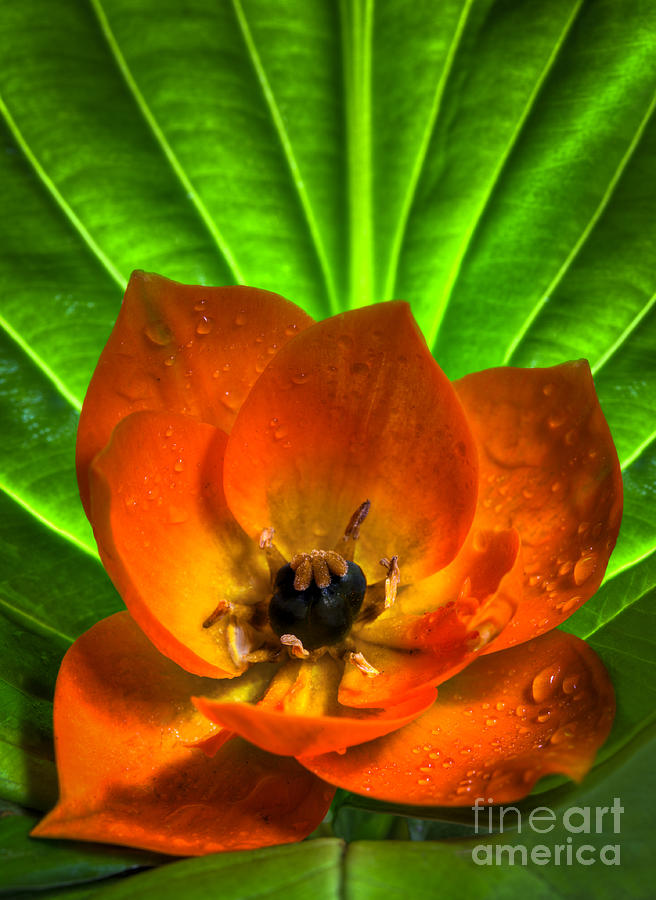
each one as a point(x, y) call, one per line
point(356, 408)
point(439, 625)
point(510, 718)
point(168, 540)
point(299, 714)
point(548, 468)
point(183, 348)
point(123, 722)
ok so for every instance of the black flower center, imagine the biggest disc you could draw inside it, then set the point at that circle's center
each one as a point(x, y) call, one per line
point(318, 616)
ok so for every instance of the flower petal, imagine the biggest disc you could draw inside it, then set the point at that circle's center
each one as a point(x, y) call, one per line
point(495, 729)
point(168, 540)
point(356, 408)
point(300, 715)
point(439, 625)
point(548, 467)
point(122, 721)
point(183, 348)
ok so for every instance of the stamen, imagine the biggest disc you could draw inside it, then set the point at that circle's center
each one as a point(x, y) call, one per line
point(352, 532)
point(393, 579)
point(275, 559)
point(294, 646)
point(318, 564)
point(240, 641)
point(265, 654)
point(358, 660)
point(223, 608)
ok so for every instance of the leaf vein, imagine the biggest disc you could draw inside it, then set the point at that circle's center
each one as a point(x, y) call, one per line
point(583, 237)
point(290, 156)
point(175, 164)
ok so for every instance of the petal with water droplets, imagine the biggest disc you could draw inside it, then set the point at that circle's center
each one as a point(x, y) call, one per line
point(356, 408)
point(123, 725)
point(486, 735)
point(548, 467)
point(183, 348)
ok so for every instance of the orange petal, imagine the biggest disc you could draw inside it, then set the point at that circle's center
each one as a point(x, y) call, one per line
point(123, 719)
point(548, 467)
point(495, 729)
point(183, 348)
point(300, 715)
point(439, 625)
point(168, 540)
point(356, 408)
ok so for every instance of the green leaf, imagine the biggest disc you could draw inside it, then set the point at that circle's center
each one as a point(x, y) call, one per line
point(29, 864)
point(491, 162)
point(427, 870)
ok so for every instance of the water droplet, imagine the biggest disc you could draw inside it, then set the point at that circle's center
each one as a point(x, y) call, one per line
point(500, 705)
point(178, 465)
point(280, 433)
point(169, 360)
point(448, 762)
point(205, 325)
point(570, 437)
point(360, 368)
point(241, 319)
point(480, 542)
point(491, 721)
point(556, 486)
point(468, 712)
point(158, 333)
point(548, 390)
point(555, 420)
point(169, 431)
point(568, 605)
point(583, 527)
point(571, 684)
point(200, 306)
point(299, 378)
point(216, 373)
point(177, 515)
point(584, 568)
point(563, 733)
point(229, 401)
point(566, 567)
point(345, 342)
point(291, 329)
point(544, 714)
point(545, 683)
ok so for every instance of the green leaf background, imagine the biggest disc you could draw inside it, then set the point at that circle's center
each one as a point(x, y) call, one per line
point(491, 161)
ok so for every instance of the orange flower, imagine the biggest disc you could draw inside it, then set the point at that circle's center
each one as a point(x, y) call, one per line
point(225, 434)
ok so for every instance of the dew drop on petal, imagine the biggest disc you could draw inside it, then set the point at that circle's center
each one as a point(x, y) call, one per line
point(299, 378)
point(565, 732)
point(545, 683)
point(555, 420)
point(169, 431)
point(158, 333)
point(178, 465)
point(571, 684)
point(548, 390)
point(169, 360)
point(448, 762)
point(205, 325)
point(544, 714)
point(360, 368)
point(241, 319)
point(584, 568)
